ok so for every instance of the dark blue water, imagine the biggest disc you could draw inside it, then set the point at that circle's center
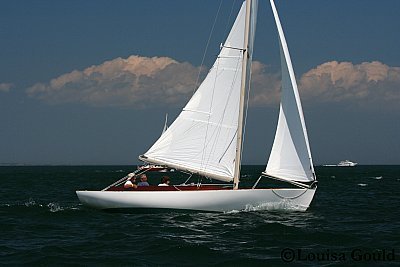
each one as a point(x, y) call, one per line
point(355, 211)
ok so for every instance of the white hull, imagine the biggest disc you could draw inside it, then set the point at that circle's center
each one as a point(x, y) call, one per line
point(203, 200)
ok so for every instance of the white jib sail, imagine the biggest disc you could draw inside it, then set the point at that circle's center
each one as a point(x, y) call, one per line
point(203, 137)
point(290, 157)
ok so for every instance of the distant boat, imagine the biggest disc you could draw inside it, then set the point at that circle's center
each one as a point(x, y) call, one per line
point(343, 163)
point(206, 140)
point(347, 163)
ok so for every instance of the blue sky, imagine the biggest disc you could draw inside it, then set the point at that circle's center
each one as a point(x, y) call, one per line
point(345, 55)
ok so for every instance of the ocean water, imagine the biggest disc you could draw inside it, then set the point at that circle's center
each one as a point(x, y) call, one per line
point(354, 219)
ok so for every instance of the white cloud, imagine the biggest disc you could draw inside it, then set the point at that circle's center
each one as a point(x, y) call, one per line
point(142, 82)
point(6, 87)
point(135, 81)
point(265, 85)
point(368, 83)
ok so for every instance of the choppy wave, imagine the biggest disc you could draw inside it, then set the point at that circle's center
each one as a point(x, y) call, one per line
point(46, 225)
point(31, 202)
point(51, 206)
point(284, 205)
point(54, 207)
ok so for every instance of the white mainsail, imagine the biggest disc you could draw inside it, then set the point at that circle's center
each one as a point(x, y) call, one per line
point(203, 137)
point(290, 157)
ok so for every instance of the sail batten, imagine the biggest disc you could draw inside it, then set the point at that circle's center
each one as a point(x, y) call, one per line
point(200, 139)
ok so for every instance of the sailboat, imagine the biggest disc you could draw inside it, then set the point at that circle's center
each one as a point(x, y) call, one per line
point(206, 140)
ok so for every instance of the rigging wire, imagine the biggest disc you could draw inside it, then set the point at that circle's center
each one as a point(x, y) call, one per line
point(205, 162)
point(228, 23)
point(213, 147)
point(205, 50)
point(198, 77)
point(205, 144)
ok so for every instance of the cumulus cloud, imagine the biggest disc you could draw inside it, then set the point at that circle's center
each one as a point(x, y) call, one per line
point(265, 85)
point(144, 82)
point(368, 83)
point(135, 82)
point(141, 82)
point(6, 87)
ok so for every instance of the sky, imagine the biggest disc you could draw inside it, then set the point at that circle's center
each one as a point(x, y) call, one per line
point(89, 82)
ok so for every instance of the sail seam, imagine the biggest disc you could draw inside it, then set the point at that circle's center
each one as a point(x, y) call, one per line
point(213, 123)
point(202, 165)
point(224, 112)
point(197, 111)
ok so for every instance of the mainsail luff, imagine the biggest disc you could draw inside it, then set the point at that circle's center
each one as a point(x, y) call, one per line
point(244, 85)
point(202, 138)
point(290, 157)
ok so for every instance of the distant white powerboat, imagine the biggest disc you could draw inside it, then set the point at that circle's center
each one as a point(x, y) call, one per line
point(347, 163)
point(343, 163)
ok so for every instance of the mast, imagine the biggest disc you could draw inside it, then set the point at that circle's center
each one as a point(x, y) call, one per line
point(242, 96)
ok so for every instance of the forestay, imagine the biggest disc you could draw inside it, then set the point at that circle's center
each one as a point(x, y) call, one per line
point(290, 157)
point(203, 137)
